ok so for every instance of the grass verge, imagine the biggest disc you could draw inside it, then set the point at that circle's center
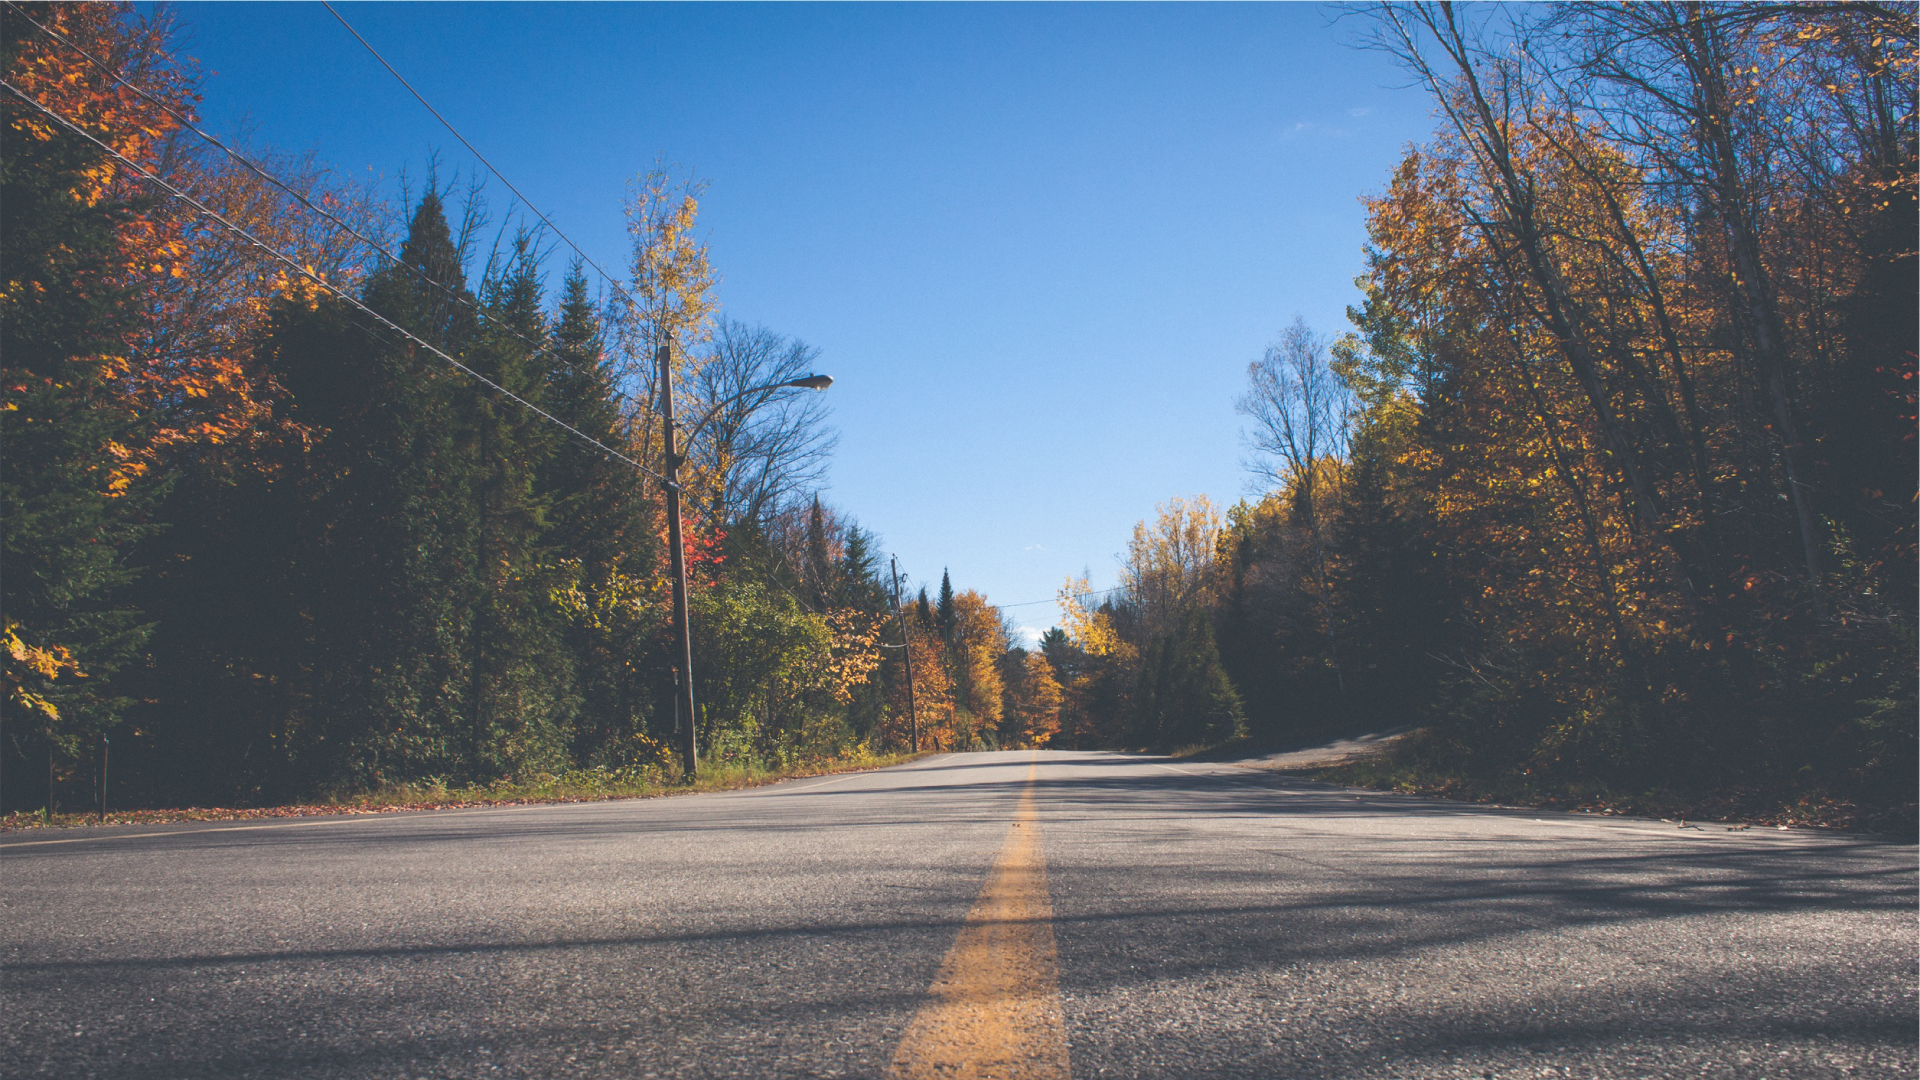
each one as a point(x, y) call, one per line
point(1735, 807)
point(582, 785)
point(1228, 749)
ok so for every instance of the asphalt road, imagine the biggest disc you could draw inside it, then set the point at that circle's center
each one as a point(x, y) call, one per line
point(1180, 920)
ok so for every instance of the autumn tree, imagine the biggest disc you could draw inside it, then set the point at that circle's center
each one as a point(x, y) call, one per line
point(669, 300)
point(1145, 667)
point(1033, 700)
point(1067, 665)
point(1100, 658)
point(1169, 567)
point(83, 245)
point(932, 689)
point(975, 643)
point(1600, 305)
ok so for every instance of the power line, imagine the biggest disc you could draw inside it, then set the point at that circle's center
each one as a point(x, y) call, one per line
point(618, 288)
point(444, 122)
point(1057, 599)
point(614, 282)
point(456, 295)
point(355, 302)
point(328, 286)
point(300, 197)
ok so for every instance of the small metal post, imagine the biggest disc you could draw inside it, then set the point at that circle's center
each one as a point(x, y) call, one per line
point(106, 747)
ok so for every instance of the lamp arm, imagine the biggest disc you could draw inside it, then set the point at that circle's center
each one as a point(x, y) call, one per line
point(806, 383)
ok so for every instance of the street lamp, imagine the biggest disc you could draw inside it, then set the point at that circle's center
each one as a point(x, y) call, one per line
point(805, 382)
point(683, 671)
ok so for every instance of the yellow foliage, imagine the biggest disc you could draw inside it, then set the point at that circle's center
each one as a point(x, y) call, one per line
point(979, 638)
point(1090, 630)
point(1170, 565)
point(619, 602)
point(673, 281)
point(46, 662)
point(1034, 712)
point(855, 651)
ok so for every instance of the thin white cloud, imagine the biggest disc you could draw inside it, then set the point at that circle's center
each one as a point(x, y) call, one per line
point(1308, 127)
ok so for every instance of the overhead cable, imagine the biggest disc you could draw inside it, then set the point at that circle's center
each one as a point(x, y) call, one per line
point(482, 158)
point(611, 280)
point(1058, 599)
point(263, 174)
point(321, 282)
point(357, 234)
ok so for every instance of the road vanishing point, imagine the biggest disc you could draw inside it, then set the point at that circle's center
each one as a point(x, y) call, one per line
point(1021, 914)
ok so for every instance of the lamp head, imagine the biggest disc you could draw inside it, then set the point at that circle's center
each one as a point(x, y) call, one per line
point(812, 382)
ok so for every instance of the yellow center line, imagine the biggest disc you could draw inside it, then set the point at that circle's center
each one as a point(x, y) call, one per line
point(994, 1008)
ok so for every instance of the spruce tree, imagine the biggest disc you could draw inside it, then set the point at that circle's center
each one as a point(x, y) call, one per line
point(1182, 695)
point(390, 561)
point(944, 612)
point(859, 574)
point(820, 570)
point(599, 534)
point(521, 697)
point(596, 503)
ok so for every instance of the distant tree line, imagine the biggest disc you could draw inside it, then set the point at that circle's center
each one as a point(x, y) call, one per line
point(1612, 484)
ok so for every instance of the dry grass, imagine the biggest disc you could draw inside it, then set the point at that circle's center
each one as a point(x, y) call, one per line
point(583, 785)
point(1733, 806)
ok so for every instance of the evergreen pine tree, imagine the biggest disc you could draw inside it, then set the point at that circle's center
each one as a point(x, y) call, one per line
point(820, 570)
point(1182, 695)
point(521, 695)
point(859, 574)
point(944, 612)
point(599, 533)
point(389, 522)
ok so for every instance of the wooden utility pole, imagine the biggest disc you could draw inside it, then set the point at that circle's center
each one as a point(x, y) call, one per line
point(906, 645)
point(683, 692)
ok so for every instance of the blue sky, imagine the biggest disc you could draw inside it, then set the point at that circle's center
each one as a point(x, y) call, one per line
point(1036, 245)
